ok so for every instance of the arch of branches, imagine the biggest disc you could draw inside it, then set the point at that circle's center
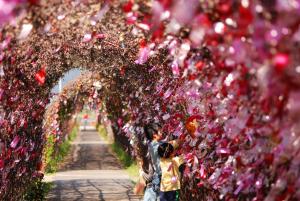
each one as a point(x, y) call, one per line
point(70, 101)
point(85, 90)
point(221, 75)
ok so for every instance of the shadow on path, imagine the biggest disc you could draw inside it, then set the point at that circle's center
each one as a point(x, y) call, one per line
point(91, 172)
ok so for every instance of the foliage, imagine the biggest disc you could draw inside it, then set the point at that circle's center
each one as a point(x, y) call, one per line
point(230, 67)
point(133, 171)
point(102, 131)
point(37, 191)
point(126, 160)
point(54, 156)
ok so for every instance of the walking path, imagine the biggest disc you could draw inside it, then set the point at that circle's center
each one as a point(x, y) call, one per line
point(91, 172)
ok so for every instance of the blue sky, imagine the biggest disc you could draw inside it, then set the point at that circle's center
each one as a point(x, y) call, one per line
point(69, 76)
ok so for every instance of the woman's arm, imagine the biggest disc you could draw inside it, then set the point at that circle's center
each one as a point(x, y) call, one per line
point(147, 174)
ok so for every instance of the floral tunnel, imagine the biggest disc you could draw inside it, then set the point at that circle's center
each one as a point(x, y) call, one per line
point(221, 75)
point(59, 119)
point(29, 69)
point(85, 90)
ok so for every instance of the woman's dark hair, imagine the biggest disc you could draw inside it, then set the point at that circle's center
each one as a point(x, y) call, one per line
point(150, 130)
point(165, 150)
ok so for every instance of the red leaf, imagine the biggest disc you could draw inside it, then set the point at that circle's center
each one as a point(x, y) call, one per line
point(268, 158)
point(33, 2)
point(127, 7)
point(166, 3)
point(1, 164)
point(40, 76)
point(246, 16)
point(281, 61)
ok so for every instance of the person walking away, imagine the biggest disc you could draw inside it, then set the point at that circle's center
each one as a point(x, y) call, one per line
point(85, 119)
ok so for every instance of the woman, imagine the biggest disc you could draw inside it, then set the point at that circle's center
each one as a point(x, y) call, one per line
point(146, 172)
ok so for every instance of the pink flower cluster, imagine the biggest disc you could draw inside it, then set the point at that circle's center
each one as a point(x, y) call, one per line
point(10, 9)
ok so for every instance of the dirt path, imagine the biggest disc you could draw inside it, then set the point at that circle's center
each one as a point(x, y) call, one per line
point(91, 172)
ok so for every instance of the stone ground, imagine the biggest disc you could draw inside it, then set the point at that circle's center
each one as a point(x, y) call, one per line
point(91, 172)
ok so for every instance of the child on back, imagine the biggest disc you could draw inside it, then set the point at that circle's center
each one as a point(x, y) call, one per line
point(170, 168)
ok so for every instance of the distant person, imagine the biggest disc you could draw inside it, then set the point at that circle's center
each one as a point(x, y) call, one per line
point(85, 121)
point(171, 166)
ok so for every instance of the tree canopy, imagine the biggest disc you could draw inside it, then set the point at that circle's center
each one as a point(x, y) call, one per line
point(223, 75)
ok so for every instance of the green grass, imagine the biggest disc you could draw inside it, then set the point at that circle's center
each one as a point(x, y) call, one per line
point(133, 171)
point(126, 160)
point(37, 191)
point(102, 132)
point(54, 157)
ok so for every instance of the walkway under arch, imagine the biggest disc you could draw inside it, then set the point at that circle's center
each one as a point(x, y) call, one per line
point(91, 172)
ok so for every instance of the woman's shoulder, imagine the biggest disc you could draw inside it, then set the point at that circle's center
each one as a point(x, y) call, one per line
point(166, 160)
point(178, 159)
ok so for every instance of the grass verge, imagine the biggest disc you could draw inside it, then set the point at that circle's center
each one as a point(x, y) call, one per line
point(37, 191)
point(54, 156)
point(126, 160)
